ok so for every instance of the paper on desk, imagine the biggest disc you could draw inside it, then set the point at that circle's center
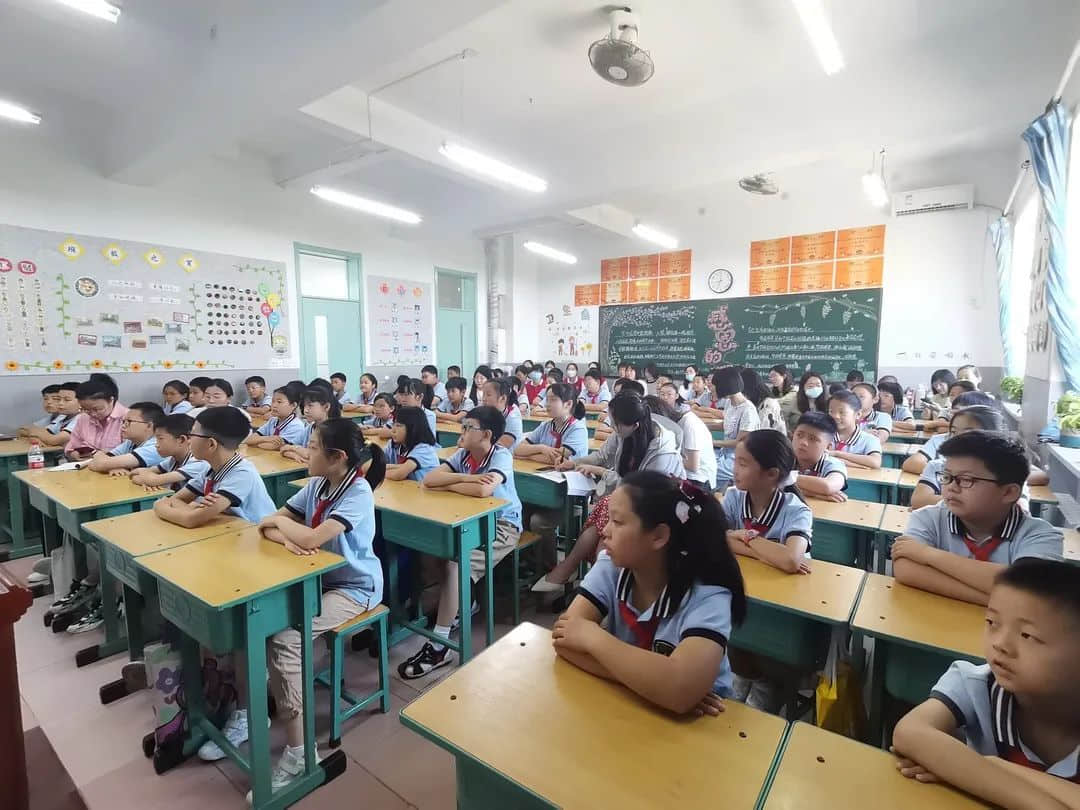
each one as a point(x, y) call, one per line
point(579, 483)
point(71, 465)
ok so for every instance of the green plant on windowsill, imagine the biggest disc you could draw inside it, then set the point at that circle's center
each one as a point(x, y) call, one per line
point(1068, 412)
point(1012, 388)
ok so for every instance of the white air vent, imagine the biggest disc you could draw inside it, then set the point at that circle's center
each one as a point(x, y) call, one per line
point(924, 200)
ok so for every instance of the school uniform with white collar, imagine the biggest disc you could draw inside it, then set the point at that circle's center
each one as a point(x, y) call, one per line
point(702, 611)
point(985, 711)
point(183, 406)
point(445, 406)
point(601, 396)
point(426, 457)
point(438, 390)
point(146, 452)
point(785, 516)
point(1020, 535)
point(514, 426)
point(240, 482)
point(877, 420)
point(189, 467)
point(929, 476)
point(343, 397)
point(571, 434)
point(931, 446)
point(860, 443)
point(61, 422)
point(902, 413)
point(263, 402)
point(291, 429)
point(826, 465)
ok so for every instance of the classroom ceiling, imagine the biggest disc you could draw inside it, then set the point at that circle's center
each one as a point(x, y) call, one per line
point(737, 90)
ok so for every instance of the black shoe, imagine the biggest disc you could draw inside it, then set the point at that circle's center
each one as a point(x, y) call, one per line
point(77, 589)
point(425, 661)
point(80, 604)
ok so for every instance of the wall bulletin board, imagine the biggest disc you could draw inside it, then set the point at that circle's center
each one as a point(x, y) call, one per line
point(399, 322)
point(846, 259)
point(639, 280)
point(76, 303)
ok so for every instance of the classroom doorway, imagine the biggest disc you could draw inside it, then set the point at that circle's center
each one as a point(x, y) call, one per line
point(331, 313)
point(455, 323)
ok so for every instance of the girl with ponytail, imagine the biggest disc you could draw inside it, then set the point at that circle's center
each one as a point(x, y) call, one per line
point(564, 435)
point(661, 561)
point(335, 512)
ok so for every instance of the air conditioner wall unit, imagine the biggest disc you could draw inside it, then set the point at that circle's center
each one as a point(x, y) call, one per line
point(925, 200)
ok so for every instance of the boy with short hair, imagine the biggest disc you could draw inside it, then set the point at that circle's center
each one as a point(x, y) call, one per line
point(820, 475)
point(854, 377)
point(48, 405)
point(258, 401)
point(482, 468)
point(197, 391)
point(453, 371)
point(852, 444)
point(138, 448)
point(594, 393)
point(457, 404)
point(1019, 711)
point(958, 546)
point(337, 384)
point(58, 431)
point(178, 465)
point(231, 484)
point(429, 375)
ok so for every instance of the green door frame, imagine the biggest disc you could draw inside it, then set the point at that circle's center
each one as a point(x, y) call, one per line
point(354, 269)
point(476, 308)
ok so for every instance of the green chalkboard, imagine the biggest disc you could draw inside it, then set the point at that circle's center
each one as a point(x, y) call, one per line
point(830, 332)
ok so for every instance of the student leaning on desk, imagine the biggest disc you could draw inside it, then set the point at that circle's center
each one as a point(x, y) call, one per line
point(318, 405)
point(62, 409)
point(139, 446)
point(1018, 712)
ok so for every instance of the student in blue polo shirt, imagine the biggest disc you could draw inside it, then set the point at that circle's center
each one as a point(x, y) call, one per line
point(929, 449)
point(231, 485)
point(412, 451)
point(57, 431)
point(870, 417)
point(334, 511)
point(976, 417)
point(1017, 712)
point(670, 597)
point(413, 393)
point(564, 435)
point(429, 375)
point(820, 475)
point(258, 402)
point(138, 448)
point(318, 406)
point(891, 401)
point(852, 444)
point(499, 394)
point(284, 425)
point(178, 465)
point(482, 468)
point(175, 396)
point(594, 393)
point(956, 547)
point(456, 404)
point(382, 417)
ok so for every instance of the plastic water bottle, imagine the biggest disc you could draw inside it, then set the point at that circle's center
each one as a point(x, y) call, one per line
point(35, 459)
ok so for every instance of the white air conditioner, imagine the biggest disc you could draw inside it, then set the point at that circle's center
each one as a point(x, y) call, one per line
point(942, 198)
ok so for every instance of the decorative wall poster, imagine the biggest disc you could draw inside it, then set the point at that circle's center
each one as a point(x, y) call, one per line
point(399, 322)
point(566, 337)
point(586, 295)
point(76, 303)
point(640, 279)
point(830, 260)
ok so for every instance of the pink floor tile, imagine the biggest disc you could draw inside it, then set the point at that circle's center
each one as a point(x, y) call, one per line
point(187, 787)
point(29, 719)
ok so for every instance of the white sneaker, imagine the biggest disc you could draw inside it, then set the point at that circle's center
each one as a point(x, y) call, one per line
point(545, 585)
point(235, 731)
point(43, 566)
point(37, 578)
point(289, 766)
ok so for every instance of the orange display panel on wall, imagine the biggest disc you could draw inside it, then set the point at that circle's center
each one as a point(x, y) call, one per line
point(674, 288)
point(853, 242)
point(587, 295)
point(615, 269)
point(676, 263)
point(853, 273)
point(613, 292)
point(641, 290)
point(810, 277)
point(770, 252)
point(813, 247)
point(769, 280)
point(645, 266)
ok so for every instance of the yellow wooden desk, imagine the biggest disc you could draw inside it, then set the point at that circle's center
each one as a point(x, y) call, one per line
point(122, 540)
point(820, 770)
point(917, 635)
point(865, 484)
point(257, 421)
point(595, 444)
point(895, 519)
point(23, 533)
point(1042, 496)
point(448, 433)
point(1072, 544)
point(531, 731)
point(66, 500)
point(275, 470)
point(893, 453)
point(232, 592)
point(843, 532)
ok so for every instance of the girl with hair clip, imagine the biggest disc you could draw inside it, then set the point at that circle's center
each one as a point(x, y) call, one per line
point(335, 512)
point(416, 394)
point(671, 597)
point(481, 377)
point(769, 521)
point(318, 405)
point(369, 389)
point(564, 435)
point(412, 452)
point(499, 394)
point(638, 443)
point(382, 417)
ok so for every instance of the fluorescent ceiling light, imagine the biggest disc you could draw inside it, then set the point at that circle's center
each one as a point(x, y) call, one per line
point(367, 206)
point(550, 252)
point(874, 186)
point(95, 8)
point(653, 235)
point(492, 167)
point(17, 113)
point(816, 23)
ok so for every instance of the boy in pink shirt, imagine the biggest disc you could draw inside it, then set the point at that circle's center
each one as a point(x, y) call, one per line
point(99, 426)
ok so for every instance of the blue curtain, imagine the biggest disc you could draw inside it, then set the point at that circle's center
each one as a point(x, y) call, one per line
point(1001, 235)
point(1048, 140)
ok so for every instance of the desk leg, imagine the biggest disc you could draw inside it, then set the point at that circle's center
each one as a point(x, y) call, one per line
point(487, 534)
point(465, 600)
point(310, 596)
point(115, 641)
point(258, 734)
point(22, 544)
point(875, 726)
point(135, 616)
point(480, 788)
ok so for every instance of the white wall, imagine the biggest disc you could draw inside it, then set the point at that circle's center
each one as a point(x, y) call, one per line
point(220, 206)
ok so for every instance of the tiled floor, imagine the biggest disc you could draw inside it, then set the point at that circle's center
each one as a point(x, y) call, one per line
point(389, 767)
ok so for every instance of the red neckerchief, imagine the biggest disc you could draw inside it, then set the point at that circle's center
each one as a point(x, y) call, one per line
point(508, 410)
point(841, 446)
point(558, 434)
point(644, 631)
point(1006, 736)
point(323, 504)
point(472, 465)
point(593, 397)
point(401, 451)
point(280, 425)
point(213, 476)
point(982, 551)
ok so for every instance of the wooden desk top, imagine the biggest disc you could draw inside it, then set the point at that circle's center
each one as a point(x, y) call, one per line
point(83, 489)
point(859, 514)
point(895, 519)
point(270, 462)
point(908, 480)
point(435, 506)
point(900, 448)
point(820, 770)
point(891, 610)
point(596, 444)
point(20, 447)
point(230, 568)
point(571, 737)
point(885, 475)
point(258, 421)
point(448, 427)
point(145, 533)
point(1072, 544)
point(827, 593)
point(1043, 494)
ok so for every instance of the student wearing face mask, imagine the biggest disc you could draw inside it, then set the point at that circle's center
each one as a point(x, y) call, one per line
point(535, 387)
point(570, 377)
point(686, 390)
point(811, 395)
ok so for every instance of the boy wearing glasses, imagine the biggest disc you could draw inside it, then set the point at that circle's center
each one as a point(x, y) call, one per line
point(178, 464)
point(138, 448)
point(958, 546)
